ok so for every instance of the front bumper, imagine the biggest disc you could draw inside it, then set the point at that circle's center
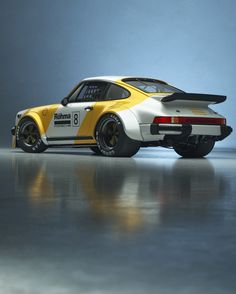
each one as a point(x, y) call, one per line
point(13, 131)
point(218, 132)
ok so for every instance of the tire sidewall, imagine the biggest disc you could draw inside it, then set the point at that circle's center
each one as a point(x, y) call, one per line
point(110, 151)
point(200, 150)
point(39, 146)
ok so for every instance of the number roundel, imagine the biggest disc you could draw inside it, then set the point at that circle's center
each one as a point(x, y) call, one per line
point(75, 119)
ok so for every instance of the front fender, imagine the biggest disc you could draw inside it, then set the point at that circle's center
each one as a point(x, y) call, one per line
point(130, 124)
point(36, 118)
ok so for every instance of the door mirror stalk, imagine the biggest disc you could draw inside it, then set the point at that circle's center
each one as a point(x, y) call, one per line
point(65, 101)
point(88, 108)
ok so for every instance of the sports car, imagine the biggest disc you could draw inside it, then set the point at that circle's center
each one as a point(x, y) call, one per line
point(115, 116)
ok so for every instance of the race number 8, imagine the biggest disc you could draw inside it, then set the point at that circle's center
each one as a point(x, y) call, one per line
point(75, 119)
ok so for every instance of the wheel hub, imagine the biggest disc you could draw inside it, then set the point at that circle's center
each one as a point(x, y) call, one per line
point(110, 134)
point(30, 134)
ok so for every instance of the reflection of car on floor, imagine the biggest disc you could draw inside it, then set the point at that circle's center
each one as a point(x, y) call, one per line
point(141, 194)
point(115, 116)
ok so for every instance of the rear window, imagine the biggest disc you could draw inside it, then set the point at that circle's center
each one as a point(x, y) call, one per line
point(151, 86)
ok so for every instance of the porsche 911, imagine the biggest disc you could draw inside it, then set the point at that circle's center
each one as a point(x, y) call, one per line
point(115, 116)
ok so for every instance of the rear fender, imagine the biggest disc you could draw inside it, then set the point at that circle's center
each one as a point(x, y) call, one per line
point(130, 124)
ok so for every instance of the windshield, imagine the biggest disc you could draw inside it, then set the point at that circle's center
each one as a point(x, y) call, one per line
point(151, 86)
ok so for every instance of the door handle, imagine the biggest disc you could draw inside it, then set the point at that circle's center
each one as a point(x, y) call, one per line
point(88, 108)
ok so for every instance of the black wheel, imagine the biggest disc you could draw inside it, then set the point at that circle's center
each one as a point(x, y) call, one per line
point(96, 150)
point(197, 150)
point(112, 140)
point(28, 137)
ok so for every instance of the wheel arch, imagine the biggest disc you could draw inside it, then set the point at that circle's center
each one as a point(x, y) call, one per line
point(37, 120)
point(129, 123)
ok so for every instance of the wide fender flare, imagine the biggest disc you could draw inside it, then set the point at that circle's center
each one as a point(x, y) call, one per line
point(130, 124)
point(36, 118)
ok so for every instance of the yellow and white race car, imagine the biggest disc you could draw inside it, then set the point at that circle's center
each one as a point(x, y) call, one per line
point(115, 116)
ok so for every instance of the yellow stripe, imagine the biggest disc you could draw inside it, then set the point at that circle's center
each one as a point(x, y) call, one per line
point(13, 144)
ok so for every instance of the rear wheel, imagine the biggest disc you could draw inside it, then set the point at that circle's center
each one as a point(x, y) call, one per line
point(112, 139)
point(28, 137)
point(197, 150)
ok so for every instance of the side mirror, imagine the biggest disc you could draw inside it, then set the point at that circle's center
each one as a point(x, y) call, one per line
point(64, 101)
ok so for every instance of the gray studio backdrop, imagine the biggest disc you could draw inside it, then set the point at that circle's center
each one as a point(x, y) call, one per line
point(47, 46)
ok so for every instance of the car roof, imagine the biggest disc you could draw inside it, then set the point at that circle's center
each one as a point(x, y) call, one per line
point(106, 78)
point(118, 78)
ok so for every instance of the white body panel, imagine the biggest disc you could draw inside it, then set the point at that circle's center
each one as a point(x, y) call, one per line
point(152, 107)
point(130, 124)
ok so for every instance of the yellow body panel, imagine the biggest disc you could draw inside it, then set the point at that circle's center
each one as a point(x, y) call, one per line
point(42, 116)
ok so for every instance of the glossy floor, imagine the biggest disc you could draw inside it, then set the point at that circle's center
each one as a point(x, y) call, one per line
point(73, 222)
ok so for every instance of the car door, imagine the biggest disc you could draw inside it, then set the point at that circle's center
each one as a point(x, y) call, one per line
point(109, 100)
point(69, 125)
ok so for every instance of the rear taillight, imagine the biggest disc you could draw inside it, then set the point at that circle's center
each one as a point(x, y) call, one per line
point(189, 120)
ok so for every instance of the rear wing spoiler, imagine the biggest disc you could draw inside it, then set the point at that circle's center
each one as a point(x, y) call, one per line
point(194, 97)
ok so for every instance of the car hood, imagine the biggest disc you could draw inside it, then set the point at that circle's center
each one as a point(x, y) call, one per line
point(44, 108)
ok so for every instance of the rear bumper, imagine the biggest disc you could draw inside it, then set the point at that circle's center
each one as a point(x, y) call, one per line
point(225, 132)
point(175, 130)
point(218, 132)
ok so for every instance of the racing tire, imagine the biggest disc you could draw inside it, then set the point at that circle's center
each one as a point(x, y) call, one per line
point(96, 150)
point(197, 150)
point(28, 137)
point(112, 140)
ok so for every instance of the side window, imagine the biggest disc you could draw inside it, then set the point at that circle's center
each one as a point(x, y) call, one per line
point(72, 98)
point(116, 92)
point(91, 91)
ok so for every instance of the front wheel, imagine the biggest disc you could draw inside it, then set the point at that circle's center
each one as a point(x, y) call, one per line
point(28, 137)
point(112, 139)
point(197, 150)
